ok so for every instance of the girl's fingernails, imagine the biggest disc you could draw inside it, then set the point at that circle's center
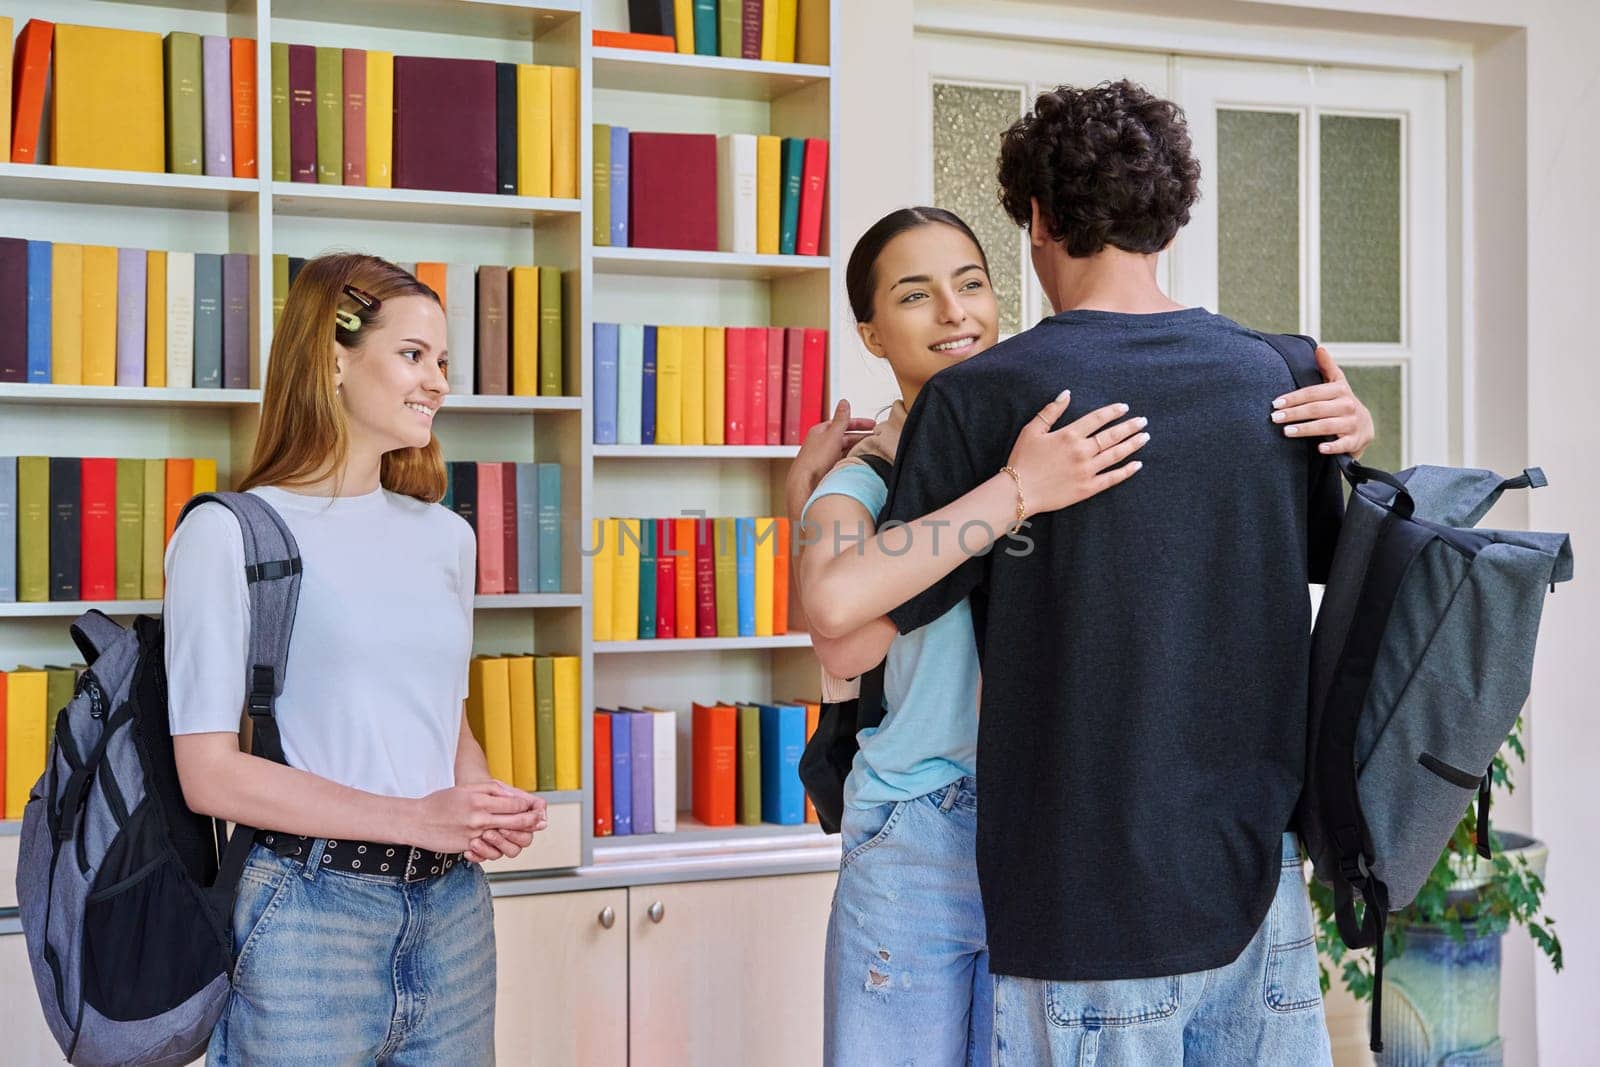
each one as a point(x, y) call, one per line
point(1064, 394)
point(1291, 430)
point(1279, 416)
point(1324, 448)
point(1278, 403)
point(1136, 465)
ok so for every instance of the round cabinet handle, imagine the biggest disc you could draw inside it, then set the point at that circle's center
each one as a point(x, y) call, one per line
point(657, 911)
point(608, 917)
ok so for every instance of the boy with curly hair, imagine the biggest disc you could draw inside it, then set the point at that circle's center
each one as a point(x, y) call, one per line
point(1142, 732)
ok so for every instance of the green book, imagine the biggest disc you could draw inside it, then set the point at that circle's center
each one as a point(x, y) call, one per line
point(154, 537)
point(550, 331)
point(749, 772)
point(727, 578)
point(330, 116)
point(280, 112)
point(58, 683)
point(130, 529)
point(280, 285)
point(185, 104)
point(705, 27)
point(730, 35)
point(794, 158)
point(33, 529)
point(544, 719)
point(602, 186)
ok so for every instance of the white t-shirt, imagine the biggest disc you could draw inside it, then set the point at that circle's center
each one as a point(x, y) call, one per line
point(377, 667)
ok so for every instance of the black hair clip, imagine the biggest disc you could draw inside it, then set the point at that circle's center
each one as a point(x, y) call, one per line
point(349, 321)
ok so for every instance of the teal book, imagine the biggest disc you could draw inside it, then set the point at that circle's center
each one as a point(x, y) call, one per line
point(549, 548)
point(647, 578)
point(705, 27)
point(207, 320)
point(745, 564)
point(783, 737)
point(794, 158)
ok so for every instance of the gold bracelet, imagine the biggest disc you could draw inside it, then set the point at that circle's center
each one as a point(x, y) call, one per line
point(1022, 507)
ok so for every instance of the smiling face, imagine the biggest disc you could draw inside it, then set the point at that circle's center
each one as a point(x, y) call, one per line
point(394, 381)
point(932, 305)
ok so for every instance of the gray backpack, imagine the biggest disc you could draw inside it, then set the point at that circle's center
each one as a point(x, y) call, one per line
point(126, 895)
point(1421, 660)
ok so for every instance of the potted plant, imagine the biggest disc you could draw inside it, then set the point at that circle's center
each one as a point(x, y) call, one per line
point(1441, 983)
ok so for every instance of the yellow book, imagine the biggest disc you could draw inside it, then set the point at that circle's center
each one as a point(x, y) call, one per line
point(524, 331)
point(564, 132)
point(533, 130)
point(716, 364)
point(625, 582)
point(99, 315)
point(604, 564)
point(569, 723)
point(154, 536)
point(766, 558)
point(769, 189)
point(693, 379)
point(205, 476)
point(110, 100)
point(475, 700)
point(683, 24)
point(25, 736)
point(493, 683)
point(5, 110)
point(669, 385)
point(787, 13)
point(66, 314)
point(380, 120)
point(155, 319)
point(524, 737)
point(769, 31)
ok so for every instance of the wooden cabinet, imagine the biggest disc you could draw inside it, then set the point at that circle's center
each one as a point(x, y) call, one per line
point(27, 1039)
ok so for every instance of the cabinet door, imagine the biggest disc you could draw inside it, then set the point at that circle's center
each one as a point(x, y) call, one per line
point(563, 979)
point(728, 972)
point(27, 1038)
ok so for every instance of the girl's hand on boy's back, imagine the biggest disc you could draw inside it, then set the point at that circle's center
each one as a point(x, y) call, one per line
point(1328, 410)
point(1059, 468)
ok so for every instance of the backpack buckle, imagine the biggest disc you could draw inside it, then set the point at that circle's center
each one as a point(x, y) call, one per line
point(259, 699)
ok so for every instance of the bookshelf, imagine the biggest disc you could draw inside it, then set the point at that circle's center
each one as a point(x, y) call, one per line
point(643, 91)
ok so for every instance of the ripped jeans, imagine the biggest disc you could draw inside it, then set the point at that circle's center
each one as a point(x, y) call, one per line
point(907, 968)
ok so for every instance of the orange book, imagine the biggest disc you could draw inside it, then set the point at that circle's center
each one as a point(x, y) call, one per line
point(683, 544)
point(242, 62)
point(432, 275)
point(30, 69)
point(644, 42)
point(180, 487)
point(780, 580)
point(813, 716)
point(716, 754)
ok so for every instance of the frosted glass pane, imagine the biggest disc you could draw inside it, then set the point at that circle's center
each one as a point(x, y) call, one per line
point(1381, 389)
point(1360, 229)
point(967, 123)
point(1258, 218)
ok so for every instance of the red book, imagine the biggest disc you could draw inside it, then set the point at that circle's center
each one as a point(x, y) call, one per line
point(242, 63)
point(813, 377)
point(813, 189)
point(750, 39)
point(705, 578)
point(733, 386)
point(302, 113)
point(355, 116)
point(683, 560)
point(755, 377)
point(491, 521)
point(672, 189)
point(444, 125)
point(30, 69)
point(666, 581)
point(774, 367)
point(780, 579)
point(508, 504)
point(97, 529)
point(716, 748)
point(794, 354)
point(602, 774)
point(644, 42)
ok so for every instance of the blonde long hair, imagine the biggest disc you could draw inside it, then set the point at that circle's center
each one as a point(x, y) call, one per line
point(304, 431)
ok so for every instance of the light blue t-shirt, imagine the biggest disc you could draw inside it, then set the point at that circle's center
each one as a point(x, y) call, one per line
point(929, 734)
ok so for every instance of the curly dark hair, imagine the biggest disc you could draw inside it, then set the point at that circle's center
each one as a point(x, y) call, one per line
point(1111, 165)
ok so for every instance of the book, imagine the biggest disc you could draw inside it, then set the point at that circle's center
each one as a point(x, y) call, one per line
point(302, 113)
point(765, 546)
point(297, 264)
point(66, 314)
point(8, 539)
point(33, 529)
point(544, 715)
point(432, 275)
point(205, 476)
point(13, 309)
point(564, 132)
point(783, 738)
point(630, 373)
point(666, 579)
point(464, 493)
point(787, 13)
point(99, 315)
point(627, 547)
point(461, 323)
point(769, 193)
point(769, 30)
point(41, 311)
point(180, 320)
point(550, 325)
point(641, 725)
point(813, 376)
point(65, 517)
point(692, 385)
point(664, 737)
point(5, 140)
point(330, 115)
point(621, 179)
point(813, 717)
point(524, 331)
point(535, 122)
point(793, 383)
point(153, 528)
point(26, 736)
point(735, 390)
point(30, 73)
point(280, 112)
point(683, 573)
point(647, 579)
point(497, 731)
point(736, 192)
point(716, 355)
point(493, 334)
point(653, 17)
point(569, 722)
point(182, 54)
point(491, 523)
point(811, 36)
point(714, 739)
point(813, 193)
point(549, 527)
point(605, 383)
point(705, 579)
point(242, 71)
point(108, 106)
point(527, 486)
point(207, 321)
point(749, 766)
point(216, 100)
point(750, 40)
point(672, 191)
point(180, 487)
point(129, 568)
point(647, 388)
point(354, 142)
point(683, 25)
point(730, 28)
point(642, 42)
point(444, 124)
point(669, 385)
point(155, 319)
point(602, 567)
point(726, 571)
point(705, 27)
point(380, 119)
point(236, 290)
point(524, 729)
point(745, 562)
point(793, 162)
point(510, 548)
point(780, 578)
point(600, 152)
point(97, 529)
point(621, 775)
point(602, 773)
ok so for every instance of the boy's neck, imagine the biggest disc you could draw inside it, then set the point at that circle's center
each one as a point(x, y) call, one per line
point(1109, 280)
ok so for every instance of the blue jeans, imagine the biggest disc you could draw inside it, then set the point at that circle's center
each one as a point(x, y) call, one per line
point(907, 966)
point(344, 968)
point(1263, 1008)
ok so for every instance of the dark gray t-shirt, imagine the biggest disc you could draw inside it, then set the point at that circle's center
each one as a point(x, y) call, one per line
point(1142, 739)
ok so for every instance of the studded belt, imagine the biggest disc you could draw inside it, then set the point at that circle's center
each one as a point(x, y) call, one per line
point(380, 859)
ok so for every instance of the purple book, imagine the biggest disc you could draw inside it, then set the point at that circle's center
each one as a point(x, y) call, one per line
point(130, 316)
point(13, 309)
point(444, 124)
point(641, 728)
point(217, 101)
point(236, 321)
point(302, 113)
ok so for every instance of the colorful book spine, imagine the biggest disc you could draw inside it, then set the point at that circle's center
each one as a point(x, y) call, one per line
point(153, 538)
point(730, 28)
point(130, 529)
point(549, 527)
point(155, 319)
point(705, 27)
point(505, 128)
point(811, 36)
point(236, 289)
point(647, 579)
point(813, 192)
point(766, 544)
point(745, 532)
point(664, 737)
point(26, 736)
point(217, 105)
point(564, 132)
point(330, 115)
point(726, 572)
point(773, 387)
point(40, 313)
point(647, 388)
point(491, 521)
point(524, 726)
point(550, 326)
point(354, 144)
point(780, 578)
point(13, 309)
point(497, 728)
point(621, 775)
point(30, 72)
point(692, 385)
point(524, 331)
point(769, 193)
point(568, 722)
point(736, 193)
point(735, 390)
point(600, 180)
point(749, 770)
point(605, 383)
point(183, 56)
point(705, 579)
point(97, 529)
point(533, 130)
point(666, 578)
point(131, 263)
point(494, 331)
point(683, 562)
point(99, 315)
point(544, 711)
point(509, 510)
point(813, 380)
point(33, 529)
point(630, 375)
point(683, 25)
point(620, 177)
point(180, 320)
point(66, 503)
point(793, 163)
point(207, 321)
point(602, 562)
point(715, 740)
point(750, 39)
point(769, 30)
point(642, 728)
point(461, 321)
point(242, 70)
point(66, 314)
point(380, 119)
point(280, 112)
point(794, 353)
point(527, 484)
point(8, 540)
point(625, 580)
point(669, 385)
point(302, 113)
point(602, 773)
point(783, 738)
point(715, 372)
